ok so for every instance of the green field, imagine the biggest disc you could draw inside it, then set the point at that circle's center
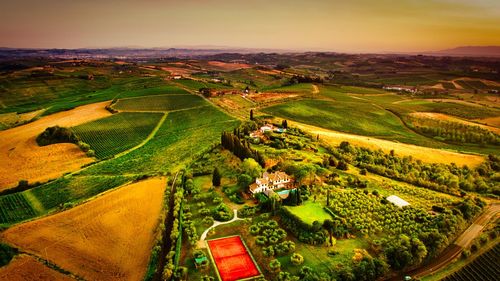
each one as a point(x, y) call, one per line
point(56, 194)
point(117, 133)
point(67, 88)
point(309, 212)
point(465, 111)
point(15, 207)
point(183, 135)
point(159, 103)
point(348, 116)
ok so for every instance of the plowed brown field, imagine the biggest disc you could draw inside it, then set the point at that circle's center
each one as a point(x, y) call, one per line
point(109, 238)
point(26, 268)
point(22, 158)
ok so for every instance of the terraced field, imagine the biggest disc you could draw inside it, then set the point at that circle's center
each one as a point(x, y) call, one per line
point(159, 103)
point(117, 133)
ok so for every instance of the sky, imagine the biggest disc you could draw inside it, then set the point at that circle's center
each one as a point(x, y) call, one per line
point(316, 25)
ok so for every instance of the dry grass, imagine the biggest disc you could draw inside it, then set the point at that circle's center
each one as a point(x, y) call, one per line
point(492, 121)
point(26, 268)
point(446, 117)
point(22, 158)
point(228, 66)
point(429, 155)
point(109, 238)
point(268, 97)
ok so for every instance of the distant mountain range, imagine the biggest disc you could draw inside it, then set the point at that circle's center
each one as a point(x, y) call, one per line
point(192, 52)
point(470, 51)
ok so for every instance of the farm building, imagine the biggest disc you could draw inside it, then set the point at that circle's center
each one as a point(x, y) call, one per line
point(397, 201)
point(271, 181)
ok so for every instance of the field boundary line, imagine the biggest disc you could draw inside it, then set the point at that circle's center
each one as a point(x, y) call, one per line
point(147, 139)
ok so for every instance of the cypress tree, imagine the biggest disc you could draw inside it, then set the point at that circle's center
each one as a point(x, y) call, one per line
point(216, 177)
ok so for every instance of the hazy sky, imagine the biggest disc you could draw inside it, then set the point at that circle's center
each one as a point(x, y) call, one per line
point(348, 25)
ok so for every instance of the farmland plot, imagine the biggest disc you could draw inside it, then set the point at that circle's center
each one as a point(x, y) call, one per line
point(484, 267)
point(25, 268)
point(109, 238)
point(37, 201)
point(159, 103)
point(183, 135)
point(117, 133)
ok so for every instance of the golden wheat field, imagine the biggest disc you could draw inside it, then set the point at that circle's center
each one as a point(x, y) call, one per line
point(22, 158)
point(108, 238)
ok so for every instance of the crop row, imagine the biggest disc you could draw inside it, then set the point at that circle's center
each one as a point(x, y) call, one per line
point(159, 103)
point(117, 133)
point(484, 268)
point(15, 207)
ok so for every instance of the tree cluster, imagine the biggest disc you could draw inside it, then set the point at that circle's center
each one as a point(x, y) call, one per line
point(240, 147)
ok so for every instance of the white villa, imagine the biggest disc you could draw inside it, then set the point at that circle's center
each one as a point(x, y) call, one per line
point(271, 181)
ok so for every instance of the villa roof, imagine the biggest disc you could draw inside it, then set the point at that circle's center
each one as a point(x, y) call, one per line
point(397, 201)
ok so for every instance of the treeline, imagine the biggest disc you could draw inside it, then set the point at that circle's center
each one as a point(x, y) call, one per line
point(452, 131)
point(240, 147)
point(445, 178)
point(296, 79)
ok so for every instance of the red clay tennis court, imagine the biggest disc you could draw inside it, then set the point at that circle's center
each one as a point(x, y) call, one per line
point(232, 259)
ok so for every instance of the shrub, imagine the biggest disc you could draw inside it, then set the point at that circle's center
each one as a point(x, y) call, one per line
point(275, 265)
point(297, 259)
point(56, 134)
point(261, 240)
point(254, 229)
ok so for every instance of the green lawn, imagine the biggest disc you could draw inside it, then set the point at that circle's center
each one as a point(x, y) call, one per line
point(309, 212)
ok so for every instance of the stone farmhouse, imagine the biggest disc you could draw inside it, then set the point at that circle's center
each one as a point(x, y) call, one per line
point(271, 181)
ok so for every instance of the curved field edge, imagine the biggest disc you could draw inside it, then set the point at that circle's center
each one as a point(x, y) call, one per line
point(24, 159)
point(183, 135)
point(117, 133)
point(425, 154)
point(106, 238)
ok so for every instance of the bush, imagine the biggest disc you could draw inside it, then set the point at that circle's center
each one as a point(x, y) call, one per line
point(56, 134)
point(297, 259)
point(222, 213)
point(254, 229)
point(275, 265)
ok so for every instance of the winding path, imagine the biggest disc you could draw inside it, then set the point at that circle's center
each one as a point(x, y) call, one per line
point(201, 242)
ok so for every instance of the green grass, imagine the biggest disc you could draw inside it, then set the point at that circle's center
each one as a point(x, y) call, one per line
point(451, 108)
point(309, 212)
point(63, 90)
point(159, 103)
point(362, 90)
point(357, 117)
point(117, 133)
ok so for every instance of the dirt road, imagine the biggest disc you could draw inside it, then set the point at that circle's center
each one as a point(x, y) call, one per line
point(455, 249)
